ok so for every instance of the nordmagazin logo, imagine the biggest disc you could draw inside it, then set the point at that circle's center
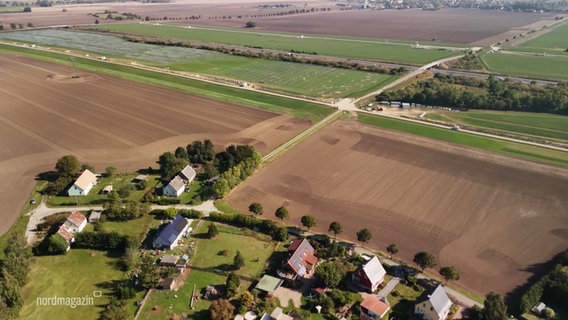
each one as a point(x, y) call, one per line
point(72, 302)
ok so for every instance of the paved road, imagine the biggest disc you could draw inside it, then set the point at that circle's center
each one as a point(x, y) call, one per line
point(42, 211)
point(384, 292)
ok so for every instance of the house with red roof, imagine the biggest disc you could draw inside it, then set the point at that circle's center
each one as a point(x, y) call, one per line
point(75, 223)
point(370, 275)
point(373, 308)
point(301, 259)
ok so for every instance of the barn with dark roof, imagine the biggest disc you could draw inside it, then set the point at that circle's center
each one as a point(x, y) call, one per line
point(171, 233)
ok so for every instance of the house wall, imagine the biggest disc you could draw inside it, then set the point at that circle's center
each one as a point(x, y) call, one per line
point(427, 310)
point(360, 277)
point(171, 192)
point(75, 191)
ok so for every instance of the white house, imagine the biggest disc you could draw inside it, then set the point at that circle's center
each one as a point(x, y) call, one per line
point(175, 188)
point(433, 305)
point(83, 184)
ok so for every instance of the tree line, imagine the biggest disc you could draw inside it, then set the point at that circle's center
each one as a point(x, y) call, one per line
point(476, 93)
point(14, 275)
point(269, 55)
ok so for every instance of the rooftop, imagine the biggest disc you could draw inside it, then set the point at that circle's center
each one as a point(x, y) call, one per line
point(86, 178)
point(269, 284)
point(375, 305)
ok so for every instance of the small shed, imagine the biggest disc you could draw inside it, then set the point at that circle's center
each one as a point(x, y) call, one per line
point(95, 216)
point(538, 308)
point(169, 261)
point(167, 284)
point(269, 284)
point(107, 189)
point(139, 178)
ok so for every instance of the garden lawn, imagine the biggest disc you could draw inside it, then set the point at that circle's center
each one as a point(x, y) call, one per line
point(540, 67)
point(553, 42)
point(402, 299)
point(167, 304)
point(76, 274)
point(523, 123)
point(136, 228)
point(334, 46)
point(514, 149)
point(255, 252)
point(95, 196)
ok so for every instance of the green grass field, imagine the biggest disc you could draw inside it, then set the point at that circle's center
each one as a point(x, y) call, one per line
point(513, 149)
point(553, 42)
point(356, 48)
point(518, 123)
point(76, 274)
point(287, 77)
point(527, 65)
point(296, 108)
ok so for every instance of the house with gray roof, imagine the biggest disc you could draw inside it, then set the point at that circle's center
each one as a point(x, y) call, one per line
point(433, 305)
point(187, 174)
point(175, 188)
point(170, 235)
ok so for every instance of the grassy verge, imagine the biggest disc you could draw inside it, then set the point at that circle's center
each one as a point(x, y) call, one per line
point(514, 149)
point(225, 207)
point(296, 108)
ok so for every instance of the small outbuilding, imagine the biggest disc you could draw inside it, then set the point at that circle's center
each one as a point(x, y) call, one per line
point(169, 261)
point(167, 284)
point(269, 284)
point(95, 216)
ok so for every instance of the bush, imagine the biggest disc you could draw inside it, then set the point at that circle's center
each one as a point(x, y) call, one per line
point(27, 9)
point(190, 213)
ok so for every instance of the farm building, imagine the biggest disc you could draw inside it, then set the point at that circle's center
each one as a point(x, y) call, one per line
point(169, 236)
point(187, 174)
point(370, 275)
point(269, 284)
point(373, 308)
point(95, 216)
point(175, 188)
point(433, 305)
point(167, 284)
point(139, 178)
point(83, 184)
point(301, 259)
point(169, 261)
point(75, 223)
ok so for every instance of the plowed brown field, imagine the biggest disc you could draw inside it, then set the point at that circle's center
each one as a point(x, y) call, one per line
point(44, 114)
point(490, 216)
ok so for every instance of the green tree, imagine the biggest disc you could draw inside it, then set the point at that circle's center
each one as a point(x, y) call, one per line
point(282, 214)
point(10, 295)
point(250, 24)
point(238, 260)
point(212, 231)
point(221, 309)
point(221, 188)
point(364, 235)
point(308, 221)
point(170, 213)
point(549, 313)
point(247, 299)
point(494, 307)
point(67, 166)
point(56, 244)
point(233, 282)
point(27, 9)
point(392, 249)
point(149, 274)
point(449, 273)
point(110, 171)
point(116, 310)
point(328, 274)
point(18, 258)
point(336, 228)
point(424, 260)
point(256, 208)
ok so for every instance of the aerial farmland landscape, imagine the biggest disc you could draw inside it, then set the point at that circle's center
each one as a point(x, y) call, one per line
point(315, 159)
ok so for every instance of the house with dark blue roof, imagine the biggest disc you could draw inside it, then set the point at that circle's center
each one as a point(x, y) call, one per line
point(169, 236)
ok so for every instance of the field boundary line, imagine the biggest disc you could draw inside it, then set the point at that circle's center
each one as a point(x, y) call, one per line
point(327, 120)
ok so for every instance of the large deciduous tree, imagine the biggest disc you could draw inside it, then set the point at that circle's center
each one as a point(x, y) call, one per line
point(364, 235)
point(67, 166)
point(494, 307)
point(221, 309)
point(328, 274)
point(256, 208)
point(335, 228)
point(282, 214)
point(449, 273)
point(308, 221)
point(424, 260)
point(392, 249)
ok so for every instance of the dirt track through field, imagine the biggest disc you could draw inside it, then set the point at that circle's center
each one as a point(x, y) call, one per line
point(490, 216)
point(46, 113)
